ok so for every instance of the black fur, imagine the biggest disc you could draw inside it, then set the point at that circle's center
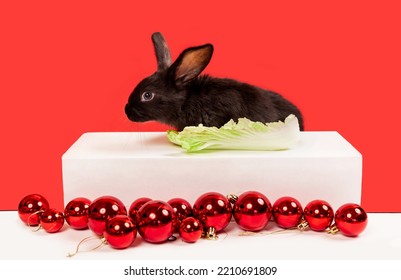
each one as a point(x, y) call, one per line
point(183, 98)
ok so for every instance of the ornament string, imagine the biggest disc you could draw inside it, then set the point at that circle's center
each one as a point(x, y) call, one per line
point(302, 226)
point(102, 243)
point(29, 218)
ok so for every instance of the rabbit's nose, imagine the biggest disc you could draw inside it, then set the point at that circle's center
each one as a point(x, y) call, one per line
point(129, 111)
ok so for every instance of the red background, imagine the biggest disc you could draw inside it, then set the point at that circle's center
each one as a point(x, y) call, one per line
point(67, 67)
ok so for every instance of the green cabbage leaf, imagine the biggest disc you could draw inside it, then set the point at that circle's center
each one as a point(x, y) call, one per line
point(241, 135)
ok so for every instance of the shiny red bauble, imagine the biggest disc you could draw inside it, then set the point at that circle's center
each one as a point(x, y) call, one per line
point(52, 220)
point(213, 210)
point(120, 232)
point(351, 219)
point(287, 212)
point(76, 213)
point(252, 211)
point(29, 207)
point(319, 215)
point(190, 229)
point(182, 209)
point(135, 206)
point(157, 221)
point(102, 209)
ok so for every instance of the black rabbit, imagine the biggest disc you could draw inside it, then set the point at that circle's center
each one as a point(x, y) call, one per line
point(177, 96)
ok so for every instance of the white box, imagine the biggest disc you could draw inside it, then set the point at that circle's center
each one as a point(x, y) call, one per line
point(128, 165)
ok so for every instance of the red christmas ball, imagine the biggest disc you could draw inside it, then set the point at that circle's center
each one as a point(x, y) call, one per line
point(287, 212)
point(182, 209)
point(28, 207)
point(102, 209)
point(76, 213)
point(213, 210)
point(319, 215)
point(156, 221)
point(120, 232)
point(252, 211)
point(135, 206)
point(190, 229)
point(351, 219)
point(52, 220)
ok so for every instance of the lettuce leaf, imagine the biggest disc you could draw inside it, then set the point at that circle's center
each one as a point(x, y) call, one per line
point(243, 135)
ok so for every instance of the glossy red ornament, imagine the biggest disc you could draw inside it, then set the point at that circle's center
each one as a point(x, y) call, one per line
point(76, 213)
point(52, 220)
point(213, 210)
point(102, 209)
point(287, 212)
point(156, 221)
point(351, 219)
point(190, 229)
point(318, 214)
point(252, 211)
point(28, 207)
point(182, 209)
point(120, 232)
point(135, 206)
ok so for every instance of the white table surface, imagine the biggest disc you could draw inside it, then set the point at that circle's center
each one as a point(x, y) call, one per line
point(380, 240)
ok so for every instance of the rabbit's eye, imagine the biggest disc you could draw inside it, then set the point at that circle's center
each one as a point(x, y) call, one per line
point(147, 96)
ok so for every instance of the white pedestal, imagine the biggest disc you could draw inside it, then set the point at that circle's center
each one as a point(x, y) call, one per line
point(128, 165)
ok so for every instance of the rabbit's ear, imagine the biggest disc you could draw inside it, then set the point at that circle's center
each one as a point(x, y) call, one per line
point(162, 51)
point(191, 63)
